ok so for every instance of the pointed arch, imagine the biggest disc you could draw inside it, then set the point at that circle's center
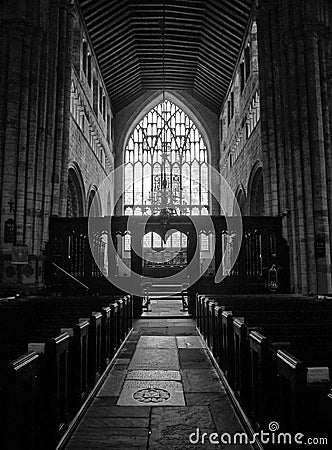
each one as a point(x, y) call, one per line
point(75, 193)
point(159, 152)
point(241, 199)
point(256, 191)
point(94, 203)
point(187, 106)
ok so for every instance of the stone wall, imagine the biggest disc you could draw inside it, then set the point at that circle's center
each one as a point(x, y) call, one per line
point(35, 72)
point(296, 97)
point(91, 122)
point(54, 114)
point(239, 126)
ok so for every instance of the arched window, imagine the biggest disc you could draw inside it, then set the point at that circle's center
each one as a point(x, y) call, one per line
point(74, 196)
point(94, 207)
point(241, 200)
point(257, 194)
point(166, 167)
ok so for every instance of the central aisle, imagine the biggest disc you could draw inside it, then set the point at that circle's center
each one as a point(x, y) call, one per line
point(161, 389)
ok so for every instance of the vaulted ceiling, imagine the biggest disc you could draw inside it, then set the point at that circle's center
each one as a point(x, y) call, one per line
point(202, 40)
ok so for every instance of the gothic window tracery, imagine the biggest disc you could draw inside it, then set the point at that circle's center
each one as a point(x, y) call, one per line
point(166, 165)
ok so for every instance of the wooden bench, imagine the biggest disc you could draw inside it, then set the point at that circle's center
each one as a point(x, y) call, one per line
point(69, 363)
point(18, 402)
point(255, 318)
point(205, 319)
point(263, 362)
point(247, 335)
point(51, 403)
point(124, 311)
point(302, 395)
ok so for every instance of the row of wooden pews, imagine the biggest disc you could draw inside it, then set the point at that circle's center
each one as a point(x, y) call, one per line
point(276, 353)
point(53, 350)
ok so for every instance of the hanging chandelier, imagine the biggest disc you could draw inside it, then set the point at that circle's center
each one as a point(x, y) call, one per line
point(164, 198)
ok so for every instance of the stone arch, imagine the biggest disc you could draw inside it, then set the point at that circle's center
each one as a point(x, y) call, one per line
point(241, 199)
point(204, 119)
point(256, 191)
point(142, 109)
point(141, 159)
point(75, 194)
point(94, 203)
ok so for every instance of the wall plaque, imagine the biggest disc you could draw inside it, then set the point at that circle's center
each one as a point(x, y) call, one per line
point(20, 254)
point(10, 231)
point(320, 248)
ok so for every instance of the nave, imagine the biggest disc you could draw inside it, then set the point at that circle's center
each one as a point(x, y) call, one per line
point(78, 372)
point(161, 388)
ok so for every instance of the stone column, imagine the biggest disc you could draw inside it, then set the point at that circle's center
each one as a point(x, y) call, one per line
point(34, 78)
point(295, 83)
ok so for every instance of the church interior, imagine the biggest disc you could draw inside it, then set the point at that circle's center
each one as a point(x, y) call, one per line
point(166, 224)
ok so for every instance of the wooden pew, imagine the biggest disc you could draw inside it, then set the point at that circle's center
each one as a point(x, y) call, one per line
point(18, 402)
point(247, 302)
point(77, 364)
point(235, 352)
point(53, 418)
point(51, 388)
point(31, 321)
point(48, 318)
point(253, 319)
point(311, 343)
point(37, 323)
point(301, 395)
point(124, 313)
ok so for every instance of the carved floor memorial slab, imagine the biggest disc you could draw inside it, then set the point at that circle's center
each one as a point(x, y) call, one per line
point(151, 393)
point(158, 375)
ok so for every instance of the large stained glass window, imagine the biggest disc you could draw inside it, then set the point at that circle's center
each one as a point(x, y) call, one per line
point(166, 167)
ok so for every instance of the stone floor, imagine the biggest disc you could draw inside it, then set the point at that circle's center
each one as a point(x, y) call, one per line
point(162, 389)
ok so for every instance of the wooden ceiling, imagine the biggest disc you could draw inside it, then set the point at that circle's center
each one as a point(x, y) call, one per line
point(202, 40)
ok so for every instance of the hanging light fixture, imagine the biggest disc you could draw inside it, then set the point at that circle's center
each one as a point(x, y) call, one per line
point(163, 200)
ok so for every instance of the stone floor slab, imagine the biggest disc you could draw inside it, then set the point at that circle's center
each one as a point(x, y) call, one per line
point(170, 375)
point(181, 331)
point(201, 380)
point(92, 422)
point(122, 361)
point(155, 331)
point(100, 408)
point(156, 342)
point(106, 401)
point(225, 419)
point(189, 342)
point(204, 398)
point(155, 359)
point(171, 427)
point(111, 438)
point(151, 393)
point(194, 358)
point(113, 384)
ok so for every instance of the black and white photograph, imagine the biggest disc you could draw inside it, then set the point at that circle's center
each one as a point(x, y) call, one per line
point(165, 224)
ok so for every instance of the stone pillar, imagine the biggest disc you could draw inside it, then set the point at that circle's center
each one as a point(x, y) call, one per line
point(35, 50)
point(294, 40)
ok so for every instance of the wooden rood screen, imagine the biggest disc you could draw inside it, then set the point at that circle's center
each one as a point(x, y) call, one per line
point(262, 246)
